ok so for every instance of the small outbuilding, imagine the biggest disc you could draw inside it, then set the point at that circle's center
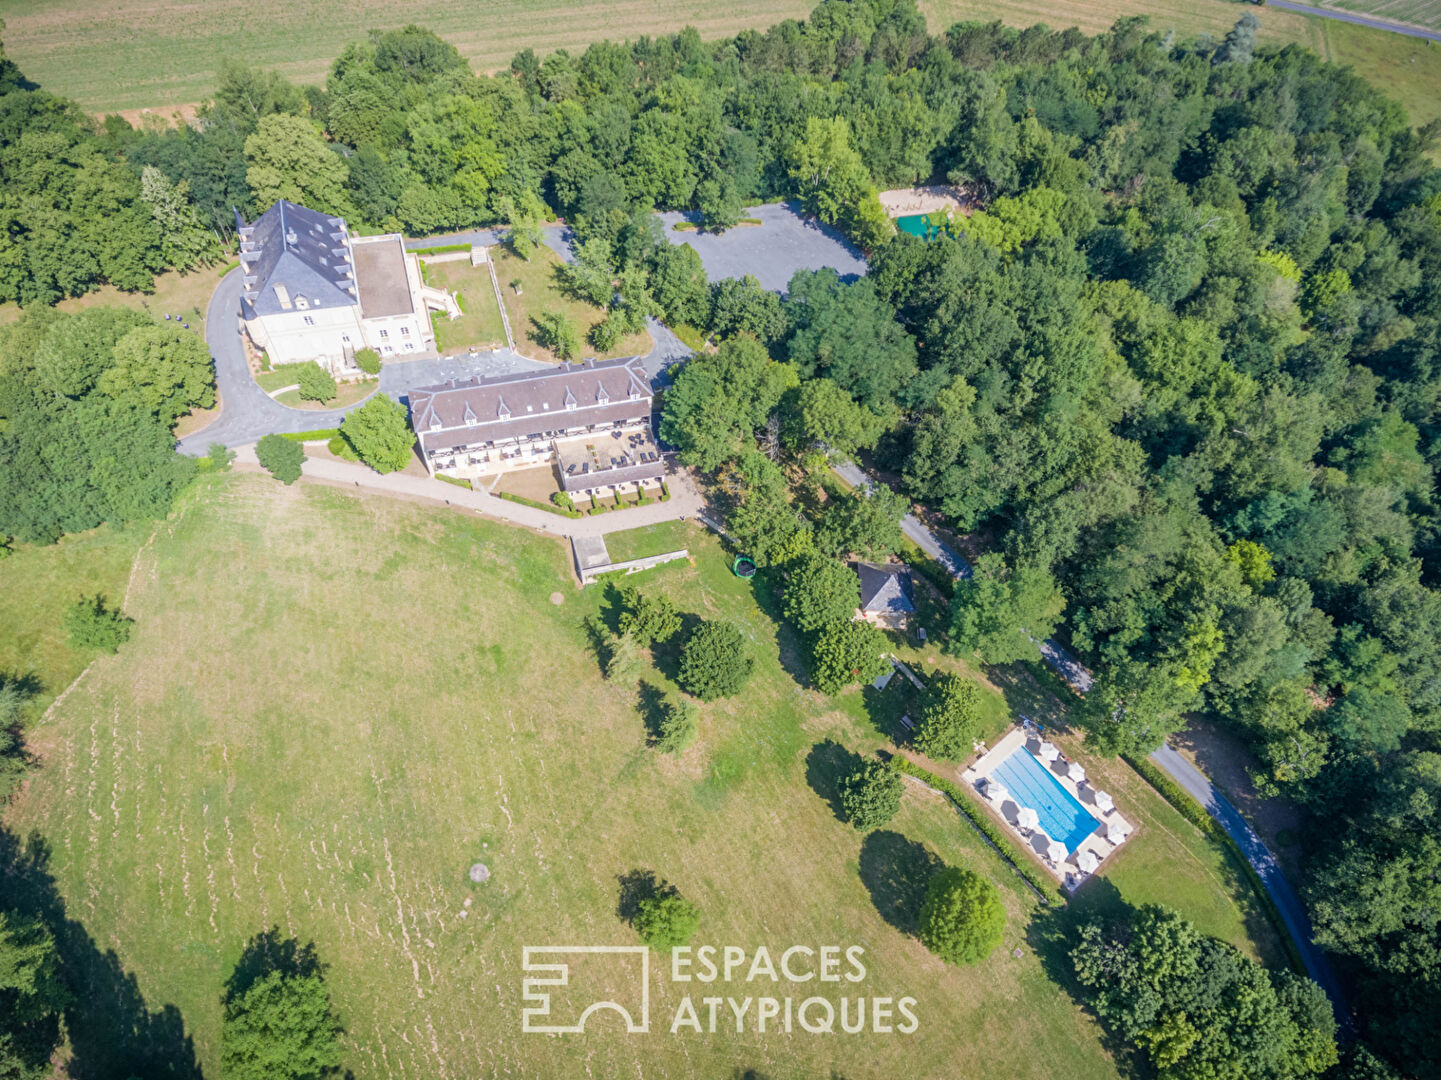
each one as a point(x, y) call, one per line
point(888, 597)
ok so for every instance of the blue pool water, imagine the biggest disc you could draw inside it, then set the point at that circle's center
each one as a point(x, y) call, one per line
point(1031, 784)
point(918, 225)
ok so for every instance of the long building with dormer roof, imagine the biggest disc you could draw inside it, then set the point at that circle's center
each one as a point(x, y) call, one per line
point(593, 419)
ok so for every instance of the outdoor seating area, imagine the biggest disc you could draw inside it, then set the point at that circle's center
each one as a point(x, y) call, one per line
point(603, 463)
point(1047, 800)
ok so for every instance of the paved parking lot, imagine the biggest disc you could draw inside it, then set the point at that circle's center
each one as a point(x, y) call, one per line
point(773, 251)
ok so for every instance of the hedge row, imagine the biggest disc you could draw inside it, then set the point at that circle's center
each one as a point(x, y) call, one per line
point(319, 435)
point(1197, 815)
point(1044, 886)
point(443, 249)
point(458, 481)
point(547, 507)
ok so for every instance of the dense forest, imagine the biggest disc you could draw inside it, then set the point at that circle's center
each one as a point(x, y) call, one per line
point(1177, 374)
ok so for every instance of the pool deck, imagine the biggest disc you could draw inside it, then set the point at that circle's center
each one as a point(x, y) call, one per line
point(902, 202)
point(1096, 843)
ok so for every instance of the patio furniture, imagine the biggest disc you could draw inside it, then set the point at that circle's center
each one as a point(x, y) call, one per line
point(1075, 772)
point(1104, 802)
point(1048, 752)
point(1086, 862)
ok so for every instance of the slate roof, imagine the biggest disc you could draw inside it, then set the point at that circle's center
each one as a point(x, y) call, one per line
point(491, 408)
point(886, 588)
point(301, 250)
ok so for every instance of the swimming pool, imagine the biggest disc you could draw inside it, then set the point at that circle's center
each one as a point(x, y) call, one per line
point(918, 225)
point(1031, 784)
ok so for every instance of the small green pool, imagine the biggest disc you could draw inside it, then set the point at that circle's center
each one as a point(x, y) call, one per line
point(918, 225)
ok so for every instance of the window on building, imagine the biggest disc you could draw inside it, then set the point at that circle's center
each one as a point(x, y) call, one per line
point(410, 346)
point(405, 331)
point(310, 320)
point(384, 334)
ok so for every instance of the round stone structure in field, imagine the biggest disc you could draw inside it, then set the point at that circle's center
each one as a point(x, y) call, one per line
point(480, 873)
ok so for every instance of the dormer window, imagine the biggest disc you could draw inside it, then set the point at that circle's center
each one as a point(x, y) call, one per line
point(569, 400)
point(291, 239)
point(302, 303)
point(602, 397)
point(434, 422)
point(469, 414)
point(502, 411)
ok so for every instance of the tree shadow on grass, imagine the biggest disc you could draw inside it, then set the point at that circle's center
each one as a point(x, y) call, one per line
point(665, 655)
point(637, 886)
point(266, 952)
point(826, 764)
point(1050, 933)
point(651, 705)
point(896, 871)
point(766, 588)
point(112, 1031)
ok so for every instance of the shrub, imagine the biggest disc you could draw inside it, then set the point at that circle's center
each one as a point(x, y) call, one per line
point(871, 794)
point(715, 662)
point(649, 618)
point(554, 330)
point(962, 919)
point(677, 728)
point(282, 457)
point(380, 432)
point(341, 448)
point(219, 457)
point(847, 652)
point(368, 361)
point(821, 591)
point(457, 481)
point(315, 382)
point(563, 500)
point(948, 718)
point(666, 921)
point(623, 660)
point(92, 625)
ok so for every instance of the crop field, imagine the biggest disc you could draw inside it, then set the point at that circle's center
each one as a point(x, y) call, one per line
point(164, 54)
point(332, 705)
point(1416, 12)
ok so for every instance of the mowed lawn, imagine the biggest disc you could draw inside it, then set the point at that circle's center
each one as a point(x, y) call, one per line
point(479, 325)
point(530, 288)
point(167, 53)
point(332, 706)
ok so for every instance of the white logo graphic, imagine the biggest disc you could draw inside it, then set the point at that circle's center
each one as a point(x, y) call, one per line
point(534, 1016)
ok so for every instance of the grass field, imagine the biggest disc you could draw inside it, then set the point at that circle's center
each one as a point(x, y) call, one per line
point(346, 394)
point(1407, 68)
point(332, 705)
point(538, 293)
point(182, 295)
point(479, 324)
point(166, 53)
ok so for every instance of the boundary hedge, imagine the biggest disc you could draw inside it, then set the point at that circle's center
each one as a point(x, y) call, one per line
point(443, 249)
point(1182, 801)
point(547, 507)
point(319, 435)
point(1045, 889)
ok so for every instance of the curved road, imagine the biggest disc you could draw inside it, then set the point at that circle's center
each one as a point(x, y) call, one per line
point(1360, 20)
point(1195, 782)
point(248, 412)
